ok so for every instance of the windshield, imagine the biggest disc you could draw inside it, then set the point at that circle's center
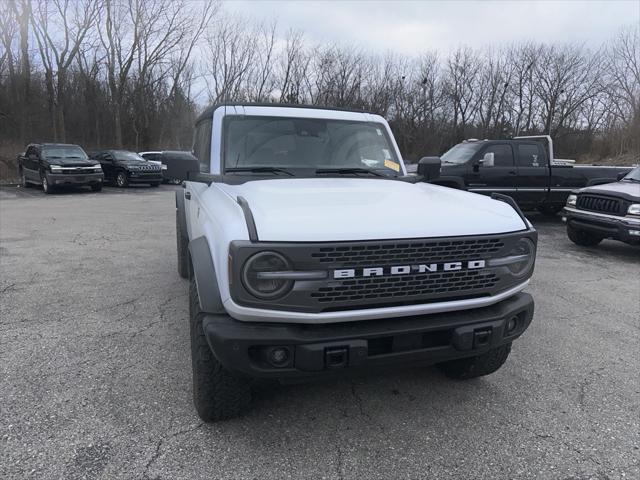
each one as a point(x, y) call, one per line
point(306, 143)
point(125, 156)
point(633, 175)
point(461, 153)
point(63, 151)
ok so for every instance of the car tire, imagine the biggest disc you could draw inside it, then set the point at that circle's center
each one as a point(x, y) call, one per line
point(182, 242)
point(155, 184)
point(217, 393)
point(582, 238)
point(121, 180)
point(549, 210)
point(97, 187)
point(46, 187)
point(478, 366)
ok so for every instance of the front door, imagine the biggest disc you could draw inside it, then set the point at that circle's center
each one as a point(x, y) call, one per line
point(499, 177)
point(106, 160)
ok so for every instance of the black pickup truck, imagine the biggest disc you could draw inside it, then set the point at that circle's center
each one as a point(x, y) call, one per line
point(611, 210)
point(523, 168)
point(55, 165)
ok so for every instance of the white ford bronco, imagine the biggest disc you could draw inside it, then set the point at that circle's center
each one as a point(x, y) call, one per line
point(309, 250)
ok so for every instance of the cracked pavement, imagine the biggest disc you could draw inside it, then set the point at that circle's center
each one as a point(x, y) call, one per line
point(95, 378)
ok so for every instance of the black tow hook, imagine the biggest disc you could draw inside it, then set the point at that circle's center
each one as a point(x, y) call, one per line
point(482, 338)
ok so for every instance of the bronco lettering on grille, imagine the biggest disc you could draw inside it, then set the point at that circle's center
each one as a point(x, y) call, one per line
point(407, 269)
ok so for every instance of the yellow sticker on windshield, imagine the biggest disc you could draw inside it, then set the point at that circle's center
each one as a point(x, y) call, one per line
point(392, 165)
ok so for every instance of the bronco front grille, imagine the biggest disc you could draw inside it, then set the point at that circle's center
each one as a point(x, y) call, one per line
point(597, 203)
point(358, 290)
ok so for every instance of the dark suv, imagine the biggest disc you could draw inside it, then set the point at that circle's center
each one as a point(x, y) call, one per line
point(122, 168)
point(57, 164)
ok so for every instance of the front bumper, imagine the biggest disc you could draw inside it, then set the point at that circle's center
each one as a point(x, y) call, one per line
point(319, 349)
point(73, 179)
point(625, 229)
point(135, 177)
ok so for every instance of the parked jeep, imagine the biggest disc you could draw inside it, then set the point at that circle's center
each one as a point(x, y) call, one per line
point(309, 251)
point(604, 211)
point(56, 164)
point(123, 168)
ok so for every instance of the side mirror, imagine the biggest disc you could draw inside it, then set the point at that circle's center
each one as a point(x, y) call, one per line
point(32, 156)
point(183, 169)
point(488, 160)
point(429, 168)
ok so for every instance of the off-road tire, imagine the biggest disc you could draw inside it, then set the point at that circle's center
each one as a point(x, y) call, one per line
point(96, 188)
point(549, 210)
point(217, 393)
point(582, 238)
point(121, 180)
point(478, 366)
point(182, 243)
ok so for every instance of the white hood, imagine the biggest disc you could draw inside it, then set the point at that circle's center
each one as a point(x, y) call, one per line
point(343, 209)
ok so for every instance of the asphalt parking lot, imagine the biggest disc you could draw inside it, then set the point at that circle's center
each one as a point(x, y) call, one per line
point(95, 378)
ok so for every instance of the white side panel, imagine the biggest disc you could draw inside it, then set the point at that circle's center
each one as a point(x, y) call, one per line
point(220, 219)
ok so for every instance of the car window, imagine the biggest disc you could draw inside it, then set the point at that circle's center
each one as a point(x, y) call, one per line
point(202, 145)
point(30, 150)
point(530, 156)
point(502, 155)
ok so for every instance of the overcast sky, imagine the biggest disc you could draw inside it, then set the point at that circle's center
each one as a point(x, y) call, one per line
point(411, 27)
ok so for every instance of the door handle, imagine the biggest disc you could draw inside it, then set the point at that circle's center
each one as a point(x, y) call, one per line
point(512, 172)
point(187, 195)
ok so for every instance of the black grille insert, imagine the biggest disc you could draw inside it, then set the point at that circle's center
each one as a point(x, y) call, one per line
point(372, 289)
point(414, 252)
point(597, 203)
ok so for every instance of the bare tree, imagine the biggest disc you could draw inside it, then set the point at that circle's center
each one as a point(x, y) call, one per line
point(60, 27)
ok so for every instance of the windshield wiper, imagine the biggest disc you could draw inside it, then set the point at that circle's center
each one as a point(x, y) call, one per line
point(347, 171)
point(259, 170)
point(631, 179)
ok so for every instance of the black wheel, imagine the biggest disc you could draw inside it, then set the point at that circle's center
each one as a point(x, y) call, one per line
point(478, 366)
point(182, 243)
point(97, 187)
point(155, 184)
point(217, 393)
point(48, 189)
point(582, 238)
point(549, 210)
point(122, 180)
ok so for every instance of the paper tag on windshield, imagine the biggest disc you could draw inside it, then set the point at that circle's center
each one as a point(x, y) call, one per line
point(392, 165)
point(379, 131)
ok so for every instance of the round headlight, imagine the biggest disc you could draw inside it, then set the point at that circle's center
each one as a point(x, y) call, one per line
point(265, 286)
point(525, 253)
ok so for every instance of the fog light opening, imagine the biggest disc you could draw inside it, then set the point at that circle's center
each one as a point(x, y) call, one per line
point(278, 356)
point(512, 324)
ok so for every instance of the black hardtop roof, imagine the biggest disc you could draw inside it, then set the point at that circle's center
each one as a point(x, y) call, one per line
point(208, 112)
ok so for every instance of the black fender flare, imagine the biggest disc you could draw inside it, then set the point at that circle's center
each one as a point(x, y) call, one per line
point(452, 182)
point(181, 212)
point(600, 181)
point(205, 276)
